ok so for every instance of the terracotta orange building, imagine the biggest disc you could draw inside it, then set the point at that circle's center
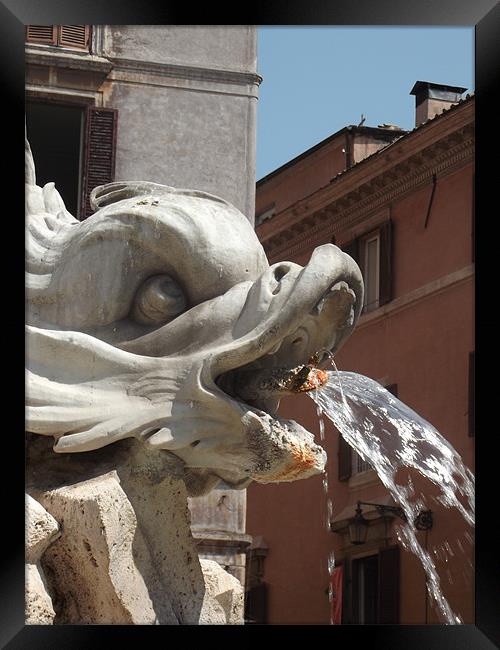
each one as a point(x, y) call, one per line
point(402, 204)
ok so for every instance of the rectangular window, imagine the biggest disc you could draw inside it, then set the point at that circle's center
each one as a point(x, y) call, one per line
point(373, 254)
point(256, 605)
point(58, 158)
point(375, 588)
point(392, 388)
point(371, 275)
point(364, 590)
point(81, 157)
point(264, 215)
point(472, 389)
point(388, 585)
point(349, 456)
point(358, 464)
point(344, 459)
point(473, 224)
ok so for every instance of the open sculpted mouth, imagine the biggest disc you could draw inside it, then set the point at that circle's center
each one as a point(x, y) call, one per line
point(286, 359)
point(257, 391)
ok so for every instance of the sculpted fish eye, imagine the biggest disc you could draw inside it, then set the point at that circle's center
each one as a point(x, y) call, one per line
point(158, 300)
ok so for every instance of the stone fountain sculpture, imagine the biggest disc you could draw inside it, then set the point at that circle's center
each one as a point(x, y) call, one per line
point(159, 341)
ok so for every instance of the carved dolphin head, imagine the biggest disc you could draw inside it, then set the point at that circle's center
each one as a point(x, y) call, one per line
point(152, 318)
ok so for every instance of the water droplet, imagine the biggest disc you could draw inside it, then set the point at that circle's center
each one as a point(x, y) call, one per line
point(331, 563)
point(329, 513)
point(321, 420)
point(468, 537)
point(325, 482)
point(329, 506)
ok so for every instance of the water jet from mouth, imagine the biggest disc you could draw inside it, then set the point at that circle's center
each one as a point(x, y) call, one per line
point(392, 437)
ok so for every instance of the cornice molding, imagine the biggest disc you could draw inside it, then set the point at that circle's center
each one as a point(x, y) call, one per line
point(132, 70)
point(43, 55)
point(68, 95)
point(71, 59)
point(349, 208)
point(189, 73)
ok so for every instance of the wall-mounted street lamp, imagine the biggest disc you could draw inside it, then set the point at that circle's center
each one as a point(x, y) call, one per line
point(358, 527)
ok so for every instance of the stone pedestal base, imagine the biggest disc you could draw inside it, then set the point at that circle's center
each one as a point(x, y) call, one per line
point(41, 531)
point(125, 554)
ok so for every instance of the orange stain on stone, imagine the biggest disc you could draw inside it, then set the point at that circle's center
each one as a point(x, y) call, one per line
point(315, 379)
point(303, 461)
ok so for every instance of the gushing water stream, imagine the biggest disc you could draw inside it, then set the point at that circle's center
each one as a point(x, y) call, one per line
point(391, 436)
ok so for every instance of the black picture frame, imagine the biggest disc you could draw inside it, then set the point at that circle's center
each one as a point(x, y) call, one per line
point(485, 16)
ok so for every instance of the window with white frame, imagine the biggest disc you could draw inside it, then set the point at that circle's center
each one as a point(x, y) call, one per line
point(264, 215)
point(370, 251)
point(373, 253)
point(350, 462)
point(358, 464)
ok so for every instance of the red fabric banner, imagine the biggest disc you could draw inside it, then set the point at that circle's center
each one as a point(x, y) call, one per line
point(336, 591)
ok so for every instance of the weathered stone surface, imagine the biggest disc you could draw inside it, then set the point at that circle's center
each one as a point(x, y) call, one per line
point(91, 569)
point(39, 609)
point(126, 554)
point(222, 591)
point(41, 529)
point(219, 528)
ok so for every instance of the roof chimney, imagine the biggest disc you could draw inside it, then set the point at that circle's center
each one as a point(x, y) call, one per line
point(431, 99)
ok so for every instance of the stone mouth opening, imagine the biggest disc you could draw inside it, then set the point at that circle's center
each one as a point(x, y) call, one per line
point(263, 387)
point(258, 387)
point(292, 364)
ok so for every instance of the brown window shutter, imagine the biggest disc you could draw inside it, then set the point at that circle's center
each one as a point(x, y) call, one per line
point(45, 34)
point(473, 225)
point(393, 389)
point(346, 592)
point(256, 605)
point(345, 462)
point(76, 36)
point(99, 153)
point(388, 587)
point(352, 249)
point(472, 393)
point(385, 272)
point(355, 600)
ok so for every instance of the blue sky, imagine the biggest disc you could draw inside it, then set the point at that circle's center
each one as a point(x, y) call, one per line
point(316, 80)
